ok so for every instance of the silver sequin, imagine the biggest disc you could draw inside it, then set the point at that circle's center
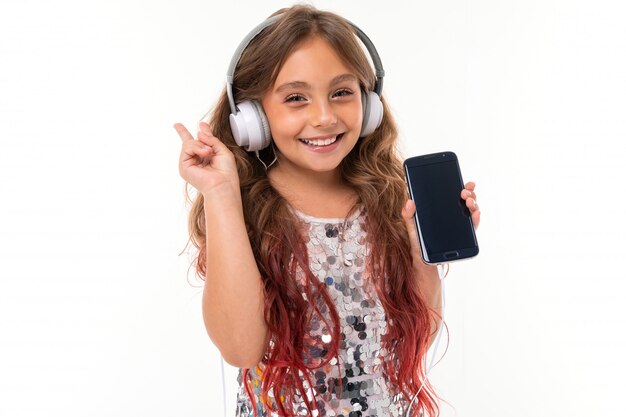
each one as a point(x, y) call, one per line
point(337, 257)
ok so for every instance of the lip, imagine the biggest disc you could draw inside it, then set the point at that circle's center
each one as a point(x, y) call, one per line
point(332, 135)
point(324, 149)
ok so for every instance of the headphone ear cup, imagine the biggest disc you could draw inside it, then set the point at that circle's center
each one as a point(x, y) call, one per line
point(266, 136)
point(249, 126)
point(372, 112)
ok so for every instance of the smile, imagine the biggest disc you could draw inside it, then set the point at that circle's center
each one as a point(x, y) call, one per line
point(322, 142)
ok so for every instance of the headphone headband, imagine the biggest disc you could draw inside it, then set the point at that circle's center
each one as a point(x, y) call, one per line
point(378, 65)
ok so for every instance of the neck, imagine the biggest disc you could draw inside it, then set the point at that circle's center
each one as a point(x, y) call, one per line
point(313, 192)
point(294, 177)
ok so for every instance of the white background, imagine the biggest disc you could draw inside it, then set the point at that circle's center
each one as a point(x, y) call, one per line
point(100, 315)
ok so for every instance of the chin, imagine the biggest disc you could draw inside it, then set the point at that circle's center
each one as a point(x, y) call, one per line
point(328, 167)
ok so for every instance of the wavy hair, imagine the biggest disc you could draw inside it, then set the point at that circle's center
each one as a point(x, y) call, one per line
point(374, 170)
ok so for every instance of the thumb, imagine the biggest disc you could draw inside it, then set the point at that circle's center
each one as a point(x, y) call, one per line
point(408, 210)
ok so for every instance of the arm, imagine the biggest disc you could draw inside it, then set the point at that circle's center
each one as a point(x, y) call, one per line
point(428, 274)
point(431, 287)
point(232, 302)
point(233, 299)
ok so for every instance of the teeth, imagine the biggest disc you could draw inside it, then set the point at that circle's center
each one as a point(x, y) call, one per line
point(324, 142)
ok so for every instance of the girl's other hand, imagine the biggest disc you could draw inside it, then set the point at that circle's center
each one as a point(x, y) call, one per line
point(408, 212)
point(469, 196)
point(206, 163)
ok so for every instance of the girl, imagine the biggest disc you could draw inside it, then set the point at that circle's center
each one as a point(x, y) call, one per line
point(314, 284)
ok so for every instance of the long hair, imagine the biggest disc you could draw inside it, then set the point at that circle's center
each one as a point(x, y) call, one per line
point(374, 170)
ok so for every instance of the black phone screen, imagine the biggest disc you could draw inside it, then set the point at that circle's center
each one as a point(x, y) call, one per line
point(444, 221)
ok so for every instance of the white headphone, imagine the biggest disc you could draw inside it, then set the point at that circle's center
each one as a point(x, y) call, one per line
point(248, 122)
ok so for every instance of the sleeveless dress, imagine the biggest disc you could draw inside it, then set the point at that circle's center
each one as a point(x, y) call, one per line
point(337, 253)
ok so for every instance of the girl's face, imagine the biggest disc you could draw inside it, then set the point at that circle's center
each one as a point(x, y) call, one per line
point(314, 109)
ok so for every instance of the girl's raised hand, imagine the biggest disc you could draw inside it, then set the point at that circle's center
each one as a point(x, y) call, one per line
point(206, 163)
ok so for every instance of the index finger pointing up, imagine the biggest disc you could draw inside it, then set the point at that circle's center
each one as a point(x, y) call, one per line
point(183, 132)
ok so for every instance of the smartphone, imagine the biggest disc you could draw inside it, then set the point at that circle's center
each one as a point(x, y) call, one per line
point(443, 221)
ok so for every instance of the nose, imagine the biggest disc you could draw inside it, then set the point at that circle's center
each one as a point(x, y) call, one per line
point(323, 114)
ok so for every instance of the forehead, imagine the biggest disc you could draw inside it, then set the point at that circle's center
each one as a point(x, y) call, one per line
point(313, 61)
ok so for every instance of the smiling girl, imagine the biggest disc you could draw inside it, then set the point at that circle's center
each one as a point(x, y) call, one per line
point(314, 284)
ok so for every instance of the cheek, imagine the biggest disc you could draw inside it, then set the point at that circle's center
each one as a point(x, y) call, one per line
point(285, 123)
point(353, 115)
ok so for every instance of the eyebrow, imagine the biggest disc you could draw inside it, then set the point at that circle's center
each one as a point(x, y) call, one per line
point(303, 85)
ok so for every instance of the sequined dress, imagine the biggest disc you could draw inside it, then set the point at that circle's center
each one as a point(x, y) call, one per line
point(337, 253)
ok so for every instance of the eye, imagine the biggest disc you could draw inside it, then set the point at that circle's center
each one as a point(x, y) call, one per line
point(343, 93)
point(294, 98)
